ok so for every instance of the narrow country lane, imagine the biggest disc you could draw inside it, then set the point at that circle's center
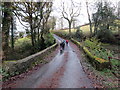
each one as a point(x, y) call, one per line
point(64, 71)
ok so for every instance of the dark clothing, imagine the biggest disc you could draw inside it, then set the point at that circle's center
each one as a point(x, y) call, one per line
point(62, 45)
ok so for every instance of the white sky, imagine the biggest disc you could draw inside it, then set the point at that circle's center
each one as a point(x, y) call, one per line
point(82, 19)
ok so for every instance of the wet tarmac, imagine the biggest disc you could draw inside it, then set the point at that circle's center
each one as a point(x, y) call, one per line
point(64, 71)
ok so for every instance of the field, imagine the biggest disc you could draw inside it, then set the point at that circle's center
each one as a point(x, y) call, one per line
point(85, 29)
point(66, 31)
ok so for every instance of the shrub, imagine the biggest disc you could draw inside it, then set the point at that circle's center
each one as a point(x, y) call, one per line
point(96, 49)
point(62, 34)
point(4, 74)
point(79, 34)
point(105, 36)
point(92, 43)
point(23, 44)
point(49, 39)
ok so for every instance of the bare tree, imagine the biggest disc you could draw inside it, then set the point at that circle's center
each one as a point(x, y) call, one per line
point(28, 12)
point(71, 12)
point(35, 14)
point(89, 18)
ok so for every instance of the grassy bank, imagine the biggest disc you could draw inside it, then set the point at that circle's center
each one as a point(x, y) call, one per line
point(106, 77)
point(23, 47)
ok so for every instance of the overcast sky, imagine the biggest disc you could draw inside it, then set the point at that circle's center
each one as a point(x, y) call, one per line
point(82, 19)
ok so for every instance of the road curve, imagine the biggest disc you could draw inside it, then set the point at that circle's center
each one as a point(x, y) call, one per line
point(64, 71)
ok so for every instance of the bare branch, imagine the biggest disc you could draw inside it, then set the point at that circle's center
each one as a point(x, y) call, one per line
point(19, 19)
point(71, 12)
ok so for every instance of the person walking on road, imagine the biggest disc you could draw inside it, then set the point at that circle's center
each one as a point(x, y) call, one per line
point(66, 42)
point(62, 46)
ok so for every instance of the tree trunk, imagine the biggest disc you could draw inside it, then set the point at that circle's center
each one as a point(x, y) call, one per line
point(35, 36)
point(32, 36)
point(38, 38)
point(12, 34)
point(89, 19)
point(108, 26)
point(90, 27)
point(5, 30)
point(42, 42)
point(31, 25)
point(96, 23)
point(42, 38)
point(69, 28)
point(95, 28)
point(32, 31)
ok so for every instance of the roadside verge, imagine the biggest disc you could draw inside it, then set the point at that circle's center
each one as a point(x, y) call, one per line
point(12, 68)
point(97, 62)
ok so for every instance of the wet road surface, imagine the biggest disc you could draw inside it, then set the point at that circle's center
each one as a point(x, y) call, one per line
point(64, 71)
